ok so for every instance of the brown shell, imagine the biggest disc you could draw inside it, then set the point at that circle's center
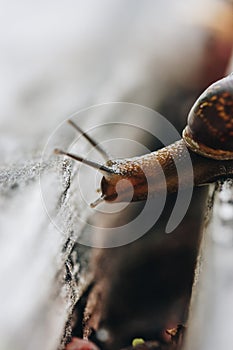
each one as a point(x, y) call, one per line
point(210, 122)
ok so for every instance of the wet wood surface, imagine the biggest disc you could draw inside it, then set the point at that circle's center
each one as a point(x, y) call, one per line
point(211, 314)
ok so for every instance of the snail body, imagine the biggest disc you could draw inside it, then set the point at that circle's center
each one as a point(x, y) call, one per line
point(205, 171)
point(208, 137)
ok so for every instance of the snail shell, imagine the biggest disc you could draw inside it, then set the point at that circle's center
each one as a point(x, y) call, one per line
point(210, 122)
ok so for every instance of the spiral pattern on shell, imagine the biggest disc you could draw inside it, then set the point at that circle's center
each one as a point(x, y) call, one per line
point(210, 122)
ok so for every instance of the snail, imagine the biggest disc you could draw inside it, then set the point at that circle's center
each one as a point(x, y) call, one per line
point(208, 137)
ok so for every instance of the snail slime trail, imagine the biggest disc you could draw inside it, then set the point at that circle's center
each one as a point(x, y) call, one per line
point(208, 137)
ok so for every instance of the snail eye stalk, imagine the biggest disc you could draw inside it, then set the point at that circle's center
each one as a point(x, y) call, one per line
point(90, 163)
point(90, 140)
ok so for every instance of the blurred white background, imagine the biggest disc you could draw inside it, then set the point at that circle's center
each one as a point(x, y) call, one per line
point(58, 57)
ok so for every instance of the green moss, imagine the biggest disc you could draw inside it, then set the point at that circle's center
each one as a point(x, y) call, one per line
point(137, 341)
